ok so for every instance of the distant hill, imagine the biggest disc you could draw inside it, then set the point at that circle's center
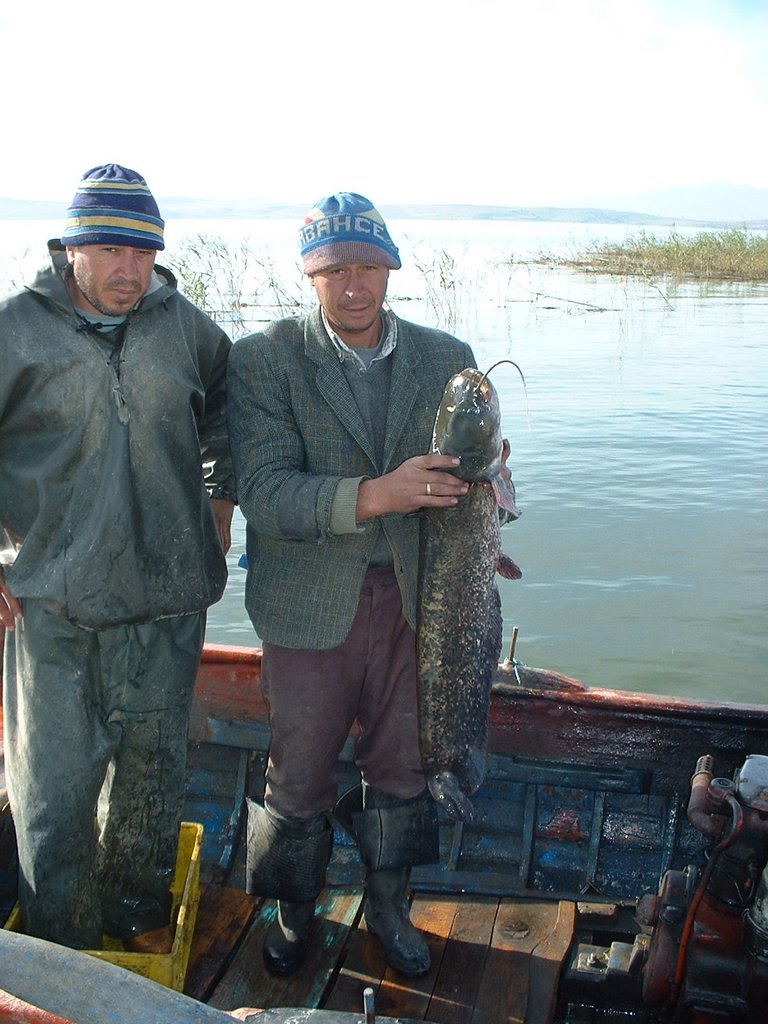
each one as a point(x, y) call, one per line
point(30, 209)
point(711, 206)
point(719, 201)
point(243, 209)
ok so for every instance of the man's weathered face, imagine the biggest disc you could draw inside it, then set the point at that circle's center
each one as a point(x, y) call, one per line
point(352, 296)
point(109, 278)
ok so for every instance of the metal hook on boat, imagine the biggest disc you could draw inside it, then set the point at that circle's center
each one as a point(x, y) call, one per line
point(513, 644)
point(510, 659)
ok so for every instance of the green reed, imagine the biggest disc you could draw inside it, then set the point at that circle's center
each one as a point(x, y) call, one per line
point(731, 254)
point(241, 288)
point(229, 282)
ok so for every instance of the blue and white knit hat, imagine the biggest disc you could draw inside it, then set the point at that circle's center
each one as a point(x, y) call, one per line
point(345, 228)
point(113, 205)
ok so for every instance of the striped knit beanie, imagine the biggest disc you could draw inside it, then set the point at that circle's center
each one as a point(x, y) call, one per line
point(345, 228)
point(113, 206)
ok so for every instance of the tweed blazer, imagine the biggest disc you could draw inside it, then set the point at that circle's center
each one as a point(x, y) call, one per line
point(291, 411)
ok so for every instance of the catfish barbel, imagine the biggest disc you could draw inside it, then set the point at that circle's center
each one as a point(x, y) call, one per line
point(459, 628)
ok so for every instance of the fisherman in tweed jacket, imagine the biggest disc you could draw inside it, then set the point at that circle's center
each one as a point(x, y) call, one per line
point(330, 419)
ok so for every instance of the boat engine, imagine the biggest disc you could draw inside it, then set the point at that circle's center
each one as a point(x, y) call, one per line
point(707, 959)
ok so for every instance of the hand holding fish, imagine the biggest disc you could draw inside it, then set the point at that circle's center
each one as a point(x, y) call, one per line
point(416, 483)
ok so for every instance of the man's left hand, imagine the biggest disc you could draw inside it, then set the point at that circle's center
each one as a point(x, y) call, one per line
point(222, 513)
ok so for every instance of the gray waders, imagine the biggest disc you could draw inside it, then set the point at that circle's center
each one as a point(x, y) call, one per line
point(393, 835)
point(286, 860)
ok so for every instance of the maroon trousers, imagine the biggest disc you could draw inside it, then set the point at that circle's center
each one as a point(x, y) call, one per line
point(314, 697)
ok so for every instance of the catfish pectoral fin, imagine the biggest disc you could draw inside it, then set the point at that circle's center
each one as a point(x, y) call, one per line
point(446, 791)
point(508, 569)
point(504, 492)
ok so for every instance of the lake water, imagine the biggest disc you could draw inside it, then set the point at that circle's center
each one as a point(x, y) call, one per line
point(640, 455)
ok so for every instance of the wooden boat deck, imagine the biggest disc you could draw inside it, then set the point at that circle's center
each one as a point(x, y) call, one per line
point(530, 914)
point(492, 959)
point(581, 813)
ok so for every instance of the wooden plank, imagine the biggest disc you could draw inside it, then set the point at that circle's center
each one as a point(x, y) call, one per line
point(223, 917)
point(363, 967)
point(503, 993)
point(399, 996)
point(617, 729)
point(248, 983)
point(546, 965)
point(463, 962)
point(215, 783)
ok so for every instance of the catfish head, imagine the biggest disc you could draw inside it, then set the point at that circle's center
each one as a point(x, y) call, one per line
point(468, 426)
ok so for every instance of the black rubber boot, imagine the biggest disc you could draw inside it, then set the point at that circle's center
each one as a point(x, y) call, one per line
point(287, 940)
point(393, 835)
point(286, 859)
point(387, 916)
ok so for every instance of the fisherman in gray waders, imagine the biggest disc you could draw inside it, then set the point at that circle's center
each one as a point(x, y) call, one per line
point(116, 497)
point(330, 418)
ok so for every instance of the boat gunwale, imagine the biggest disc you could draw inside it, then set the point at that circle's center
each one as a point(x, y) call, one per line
point(515, 680)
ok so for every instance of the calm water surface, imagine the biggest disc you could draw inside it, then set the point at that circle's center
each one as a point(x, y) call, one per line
point(639, 455)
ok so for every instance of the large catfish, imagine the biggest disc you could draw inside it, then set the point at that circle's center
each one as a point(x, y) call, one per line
point(459, 629)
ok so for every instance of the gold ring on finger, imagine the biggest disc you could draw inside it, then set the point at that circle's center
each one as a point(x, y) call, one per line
point(429, 489)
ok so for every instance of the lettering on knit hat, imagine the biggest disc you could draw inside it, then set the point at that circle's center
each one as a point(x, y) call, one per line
point(345, 228)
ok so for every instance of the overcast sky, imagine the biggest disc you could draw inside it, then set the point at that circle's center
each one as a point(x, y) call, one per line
point(511, 102)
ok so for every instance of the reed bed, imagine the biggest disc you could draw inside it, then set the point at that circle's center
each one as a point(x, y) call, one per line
point(236, 285)
point(242, 288)
point(731, 254)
